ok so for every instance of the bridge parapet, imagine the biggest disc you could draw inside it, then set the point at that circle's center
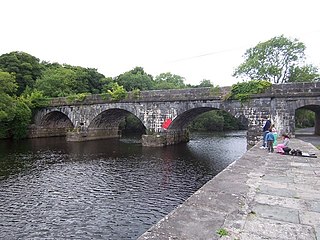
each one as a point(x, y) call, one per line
point(149, 96)
point(300, 89)
point(190, 94)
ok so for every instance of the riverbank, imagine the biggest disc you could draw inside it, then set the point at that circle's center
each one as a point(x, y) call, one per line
point(260, 196)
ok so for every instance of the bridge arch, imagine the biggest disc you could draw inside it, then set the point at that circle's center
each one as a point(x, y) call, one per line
point(182, 121)
point(110, 118)
point(56, 119)
point(103, 123)
point(51, 123)
point(316, 109)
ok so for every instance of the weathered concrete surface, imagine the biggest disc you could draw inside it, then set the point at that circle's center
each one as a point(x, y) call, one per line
point(260, 196)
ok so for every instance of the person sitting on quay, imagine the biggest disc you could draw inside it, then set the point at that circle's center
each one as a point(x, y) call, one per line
point(284, 144)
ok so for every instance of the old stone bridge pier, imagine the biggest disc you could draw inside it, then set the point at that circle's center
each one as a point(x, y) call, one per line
point(97, 118)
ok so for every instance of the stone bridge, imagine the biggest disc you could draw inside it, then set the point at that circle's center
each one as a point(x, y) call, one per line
point(97, 118)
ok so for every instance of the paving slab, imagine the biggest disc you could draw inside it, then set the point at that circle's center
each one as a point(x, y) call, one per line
point(259, 196)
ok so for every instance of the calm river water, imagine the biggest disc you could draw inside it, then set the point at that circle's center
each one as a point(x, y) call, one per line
point(106, 189)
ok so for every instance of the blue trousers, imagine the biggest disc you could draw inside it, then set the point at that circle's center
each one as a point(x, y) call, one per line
point(264, 144)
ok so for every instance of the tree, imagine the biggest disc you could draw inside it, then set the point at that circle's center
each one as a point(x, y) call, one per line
point(57, 82)
point(273, 60)
point(25, 67)
point(205, 83)
point(169, 81)
point(136, 78)
point(308, 73)
point(8, 83)
point(87, 79)
point(117, 92)
point(15, 115)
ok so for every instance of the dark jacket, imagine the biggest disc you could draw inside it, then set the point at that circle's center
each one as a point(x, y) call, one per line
point(267, 125)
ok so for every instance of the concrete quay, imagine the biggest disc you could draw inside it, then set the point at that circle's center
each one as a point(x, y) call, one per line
point(259, 196)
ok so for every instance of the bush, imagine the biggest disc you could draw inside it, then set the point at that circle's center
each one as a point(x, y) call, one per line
point(243, 91)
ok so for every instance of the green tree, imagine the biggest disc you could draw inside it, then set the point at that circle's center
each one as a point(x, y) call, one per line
point(205, 83)
point(34, 98)
point(210, 121)
point(307, 73)
point(25, 67)
point(57, 82)
point(15, 115)
point(117, 92)
point(304, 118)
point(136, 78)
point(8, 88)
point(169, 81)
point(21, 120)
point(8, 83)
point(216, 120)
point(87, 79)
point(273, 60)
point(243, 90)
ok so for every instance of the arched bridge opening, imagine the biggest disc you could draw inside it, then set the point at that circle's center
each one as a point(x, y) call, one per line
point(52, 124)
point(107, 124)
point(178, 130)
point(307, 120)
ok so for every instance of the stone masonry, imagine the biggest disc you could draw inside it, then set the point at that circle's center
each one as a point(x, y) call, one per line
point(96, 117)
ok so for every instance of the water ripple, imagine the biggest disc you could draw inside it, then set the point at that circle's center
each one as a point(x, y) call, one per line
point(58, 190)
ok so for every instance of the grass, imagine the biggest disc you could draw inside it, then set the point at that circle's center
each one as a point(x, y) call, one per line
point(222, 232)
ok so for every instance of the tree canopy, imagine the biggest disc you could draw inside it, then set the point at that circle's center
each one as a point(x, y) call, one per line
point(169, 81)
point(136, 78)
point(277, 60)
point(26, 68)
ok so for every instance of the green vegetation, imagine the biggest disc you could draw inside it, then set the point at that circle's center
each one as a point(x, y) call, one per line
point(77, 97)
point(216, 120)
point(117, 92)
point(304, 118)
point(169, 81)
point(278, 60)
point(242, 91)
point(222, 232)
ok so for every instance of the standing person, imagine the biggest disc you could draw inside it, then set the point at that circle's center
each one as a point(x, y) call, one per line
point(270, 140)
point(265, 130)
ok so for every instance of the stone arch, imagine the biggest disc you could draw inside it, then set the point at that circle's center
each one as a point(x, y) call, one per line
point(316, 109)
point(51, 124)
point(56, 119)
point(110, 119)
point(184, 119)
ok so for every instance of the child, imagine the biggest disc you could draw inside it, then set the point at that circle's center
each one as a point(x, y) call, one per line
point(270, 140)
point(274, 131)
point(284, 144)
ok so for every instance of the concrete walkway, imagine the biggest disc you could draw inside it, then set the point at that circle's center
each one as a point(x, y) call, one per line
point(260, 196)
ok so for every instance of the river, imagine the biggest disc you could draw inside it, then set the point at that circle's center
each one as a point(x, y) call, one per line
point(104, 189)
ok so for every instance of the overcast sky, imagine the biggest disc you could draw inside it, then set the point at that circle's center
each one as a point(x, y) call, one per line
point(199, 39)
